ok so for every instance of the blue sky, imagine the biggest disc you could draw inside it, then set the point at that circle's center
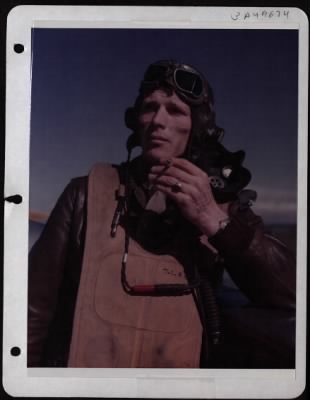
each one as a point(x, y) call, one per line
point(84, 79)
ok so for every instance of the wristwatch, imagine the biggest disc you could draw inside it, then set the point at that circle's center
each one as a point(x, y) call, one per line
point(222, 224)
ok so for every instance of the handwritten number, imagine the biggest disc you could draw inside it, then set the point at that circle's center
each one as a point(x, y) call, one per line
point(237, 15)
point(246, 15)
point(264, 14)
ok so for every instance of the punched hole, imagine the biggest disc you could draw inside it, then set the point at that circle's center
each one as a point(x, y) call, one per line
point(16, 198)
point(18, 48)
point(15, 351)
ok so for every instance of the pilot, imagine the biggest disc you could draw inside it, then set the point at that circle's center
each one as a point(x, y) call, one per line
point(127, 270)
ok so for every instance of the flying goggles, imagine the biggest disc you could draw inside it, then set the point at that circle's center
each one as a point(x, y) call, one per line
point(187, 82)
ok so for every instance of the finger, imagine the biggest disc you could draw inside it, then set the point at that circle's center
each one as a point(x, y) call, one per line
point(172, 172)
point(177, 186)
point(176, 174)
point(181, 163)
point(180, 170)
point(160, 169)
point(167, 181)
point(162, 165)
point(180, 197)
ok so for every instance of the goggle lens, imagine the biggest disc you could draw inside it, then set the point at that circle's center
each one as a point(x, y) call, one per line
point(188, 82)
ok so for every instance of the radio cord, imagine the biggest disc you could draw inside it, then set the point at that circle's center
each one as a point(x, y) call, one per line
point(200, 288)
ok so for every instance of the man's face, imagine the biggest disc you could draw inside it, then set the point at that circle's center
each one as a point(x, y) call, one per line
point(164, 126)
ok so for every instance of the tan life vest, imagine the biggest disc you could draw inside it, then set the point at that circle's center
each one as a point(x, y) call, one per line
point(112, 328)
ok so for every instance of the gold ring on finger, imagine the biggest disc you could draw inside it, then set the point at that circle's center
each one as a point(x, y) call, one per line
point(177, 187)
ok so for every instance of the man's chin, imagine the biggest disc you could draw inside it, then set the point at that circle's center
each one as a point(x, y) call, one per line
point(155, 157)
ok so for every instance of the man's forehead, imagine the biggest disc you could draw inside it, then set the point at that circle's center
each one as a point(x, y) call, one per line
point(162, 95)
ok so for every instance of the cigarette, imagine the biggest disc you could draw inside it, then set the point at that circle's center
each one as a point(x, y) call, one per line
point(168, 164)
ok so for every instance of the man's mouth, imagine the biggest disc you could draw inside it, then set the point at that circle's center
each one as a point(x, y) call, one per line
point(157, 139)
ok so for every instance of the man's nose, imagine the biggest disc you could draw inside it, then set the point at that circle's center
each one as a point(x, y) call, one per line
point(160, 116)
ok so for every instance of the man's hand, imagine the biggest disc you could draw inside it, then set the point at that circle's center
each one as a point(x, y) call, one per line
point(188, 186)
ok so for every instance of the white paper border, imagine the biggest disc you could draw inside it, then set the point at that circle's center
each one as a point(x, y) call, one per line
point(144, 383)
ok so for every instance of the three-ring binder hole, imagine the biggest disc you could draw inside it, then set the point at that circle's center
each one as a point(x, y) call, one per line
point(18, 48)
point(15, 351)
point(16, 199)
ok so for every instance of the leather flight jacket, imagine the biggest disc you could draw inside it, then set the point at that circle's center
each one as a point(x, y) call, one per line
point(261, 266)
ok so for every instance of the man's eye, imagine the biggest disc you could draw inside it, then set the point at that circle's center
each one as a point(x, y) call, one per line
point(149, 107)
point(175, 110)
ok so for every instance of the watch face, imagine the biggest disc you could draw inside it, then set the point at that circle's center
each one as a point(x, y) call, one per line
point(224, 223)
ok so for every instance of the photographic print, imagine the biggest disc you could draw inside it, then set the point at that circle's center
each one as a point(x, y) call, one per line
point(163, 173)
